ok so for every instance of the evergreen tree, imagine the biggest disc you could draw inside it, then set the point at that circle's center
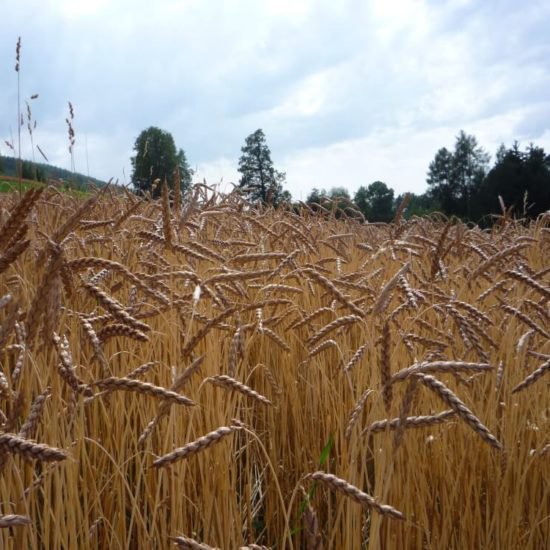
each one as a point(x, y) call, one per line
point(260, 181)
point(521, 178)
point(157, 158)
point(455, 178)
point(440, 180)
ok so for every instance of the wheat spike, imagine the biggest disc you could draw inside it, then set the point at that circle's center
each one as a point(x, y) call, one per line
point(197, 446)
point(460, 408)
point(355, 494)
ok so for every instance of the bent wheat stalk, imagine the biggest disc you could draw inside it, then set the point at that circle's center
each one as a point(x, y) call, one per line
point(28, 449)
point(409, 422)
point(342, 486)
point(460, 408)
point(230, 383)
point(11, 520)
point(130, 385)
point(196, 446)
point(533, 377)
point(439, 366)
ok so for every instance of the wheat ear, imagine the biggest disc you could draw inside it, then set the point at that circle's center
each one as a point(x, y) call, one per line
point(460, 408)
point(130, 385)
point(196, 446)
point(186, 543)
point(533, 377)
point(355, 494)
point(14, 444)
point(11, 520)
point(409, 422)
point(230, 383)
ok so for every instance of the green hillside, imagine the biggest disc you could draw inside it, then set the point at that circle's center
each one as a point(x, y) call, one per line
point(45, 172)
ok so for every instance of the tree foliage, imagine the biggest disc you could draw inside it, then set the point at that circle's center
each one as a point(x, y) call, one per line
point(521, 178)
point(375, 202)
point(260, 181)
point(156, 158)
point(316, 196)
point(454, 178)
point(418, 205)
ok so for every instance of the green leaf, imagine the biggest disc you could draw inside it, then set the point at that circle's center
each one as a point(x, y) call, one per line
point(326, 450)
point(311, 493)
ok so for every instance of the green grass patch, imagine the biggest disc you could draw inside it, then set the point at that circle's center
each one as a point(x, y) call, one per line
point(7, 186)
point(12, 185)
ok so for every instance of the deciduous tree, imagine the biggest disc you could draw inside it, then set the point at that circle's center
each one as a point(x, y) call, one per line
point(375, 202)
point(156, 157)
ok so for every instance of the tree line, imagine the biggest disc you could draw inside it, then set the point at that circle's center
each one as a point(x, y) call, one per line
point(460, 182)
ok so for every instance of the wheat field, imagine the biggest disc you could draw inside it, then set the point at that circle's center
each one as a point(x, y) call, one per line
point(203, 373)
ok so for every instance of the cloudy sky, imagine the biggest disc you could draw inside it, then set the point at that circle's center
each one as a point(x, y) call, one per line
point(346, 91)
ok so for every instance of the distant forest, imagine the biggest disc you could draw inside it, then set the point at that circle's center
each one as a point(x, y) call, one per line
point(45, 172)
point(461, 183)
